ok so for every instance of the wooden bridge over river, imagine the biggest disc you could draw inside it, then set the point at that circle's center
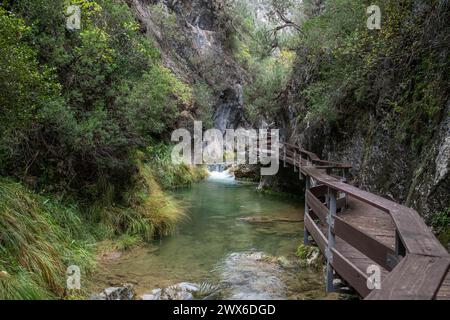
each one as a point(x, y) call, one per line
point(356, 230)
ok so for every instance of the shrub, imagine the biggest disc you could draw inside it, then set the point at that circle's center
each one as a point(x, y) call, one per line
point(168, 175)
point(88, 100)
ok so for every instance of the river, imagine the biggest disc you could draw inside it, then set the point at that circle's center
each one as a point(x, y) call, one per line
point(218, 244)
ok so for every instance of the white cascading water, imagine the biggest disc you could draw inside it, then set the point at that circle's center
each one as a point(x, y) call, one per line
point(218, 173)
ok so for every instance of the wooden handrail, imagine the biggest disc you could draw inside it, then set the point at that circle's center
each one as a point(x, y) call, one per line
point(424, 261)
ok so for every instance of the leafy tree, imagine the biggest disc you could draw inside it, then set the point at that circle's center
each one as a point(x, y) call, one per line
point(87, 99)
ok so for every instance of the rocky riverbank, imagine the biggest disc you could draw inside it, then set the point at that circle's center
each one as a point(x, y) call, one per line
point(242, 276)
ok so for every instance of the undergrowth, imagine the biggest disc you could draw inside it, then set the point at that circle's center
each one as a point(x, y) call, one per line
point(40, 237)
point(38, 241)
point(168, 175)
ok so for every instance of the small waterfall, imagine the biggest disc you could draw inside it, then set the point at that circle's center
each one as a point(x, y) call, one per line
point(220, 167)
point(221, 173)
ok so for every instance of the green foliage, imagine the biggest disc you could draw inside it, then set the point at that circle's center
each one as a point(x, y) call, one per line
point(41, 237)
point(267, 59)
point(79, 104)
point(149, 107)
point(171, 176)
point(146, 211)
point(441, 224)
point(341, 67)
point(76, 107)
point(167, 23)
point(35, 247)
point(203, 95)
point(309, 256)
point(399, 69)
point(271, 77)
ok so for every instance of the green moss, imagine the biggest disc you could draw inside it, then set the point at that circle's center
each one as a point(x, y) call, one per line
point(306, 256)
point(441, 225)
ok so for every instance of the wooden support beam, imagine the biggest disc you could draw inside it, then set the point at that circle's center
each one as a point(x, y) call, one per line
point(331, 238)
point(305, 230)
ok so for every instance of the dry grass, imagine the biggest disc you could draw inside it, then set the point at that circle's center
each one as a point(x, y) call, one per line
point(149, 211)
point(32, 244)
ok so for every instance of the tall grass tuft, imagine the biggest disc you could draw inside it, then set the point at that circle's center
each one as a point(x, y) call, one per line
point(168, 175)
point(147, 212)
point(36, 246)
point(162, 210)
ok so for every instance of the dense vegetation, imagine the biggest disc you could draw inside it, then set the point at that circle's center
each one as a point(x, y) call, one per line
point(315, 69)
point(85, 115)
point(83, 119)
point(340, 66)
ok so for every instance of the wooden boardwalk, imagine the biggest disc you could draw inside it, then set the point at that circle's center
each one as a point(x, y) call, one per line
point(358, 231)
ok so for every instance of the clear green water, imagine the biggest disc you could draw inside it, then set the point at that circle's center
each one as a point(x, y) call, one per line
point(212, 232)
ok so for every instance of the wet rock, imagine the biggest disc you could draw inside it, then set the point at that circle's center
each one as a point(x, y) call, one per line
point(310, 256)
point(229, 111)
point(252, 276)
point(154, 295)
point(181, 291)
point(126, 292)
point(247, 172)
point(285, 263)
point(314, 258)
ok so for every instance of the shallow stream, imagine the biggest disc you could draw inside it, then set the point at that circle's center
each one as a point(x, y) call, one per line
point(234, 237)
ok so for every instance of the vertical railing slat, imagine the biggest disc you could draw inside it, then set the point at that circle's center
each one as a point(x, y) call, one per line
point(332, 209)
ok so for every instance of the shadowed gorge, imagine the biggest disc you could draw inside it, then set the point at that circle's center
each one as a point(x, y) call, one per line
point(93, 92)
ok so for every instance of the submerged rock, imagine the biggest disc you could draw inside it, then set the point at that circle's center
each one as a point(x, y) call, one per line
point(285, 263)
point(126, 292)
point(252, 276)
point(261, 219)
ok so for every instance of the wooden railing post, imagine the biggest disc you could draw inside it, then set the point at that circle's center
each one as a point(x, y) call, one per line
point(305, 230)
point(332, 209)
point(295, 162)
point(300, 175)
point(400, 250)
point(344, 179)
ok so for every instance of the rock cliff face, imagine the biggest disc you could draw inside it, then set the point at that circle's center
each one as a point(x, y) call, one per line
point(199, 52)
point(383, 165)
point(193, 44)
point(367, 137)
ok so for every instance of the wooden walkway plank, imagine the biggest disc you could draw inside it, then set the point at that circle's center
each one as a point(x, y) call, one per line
point(415, 278)
point(363, 242)
point(416, 236)
point(356, 277)
point(367, 233)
